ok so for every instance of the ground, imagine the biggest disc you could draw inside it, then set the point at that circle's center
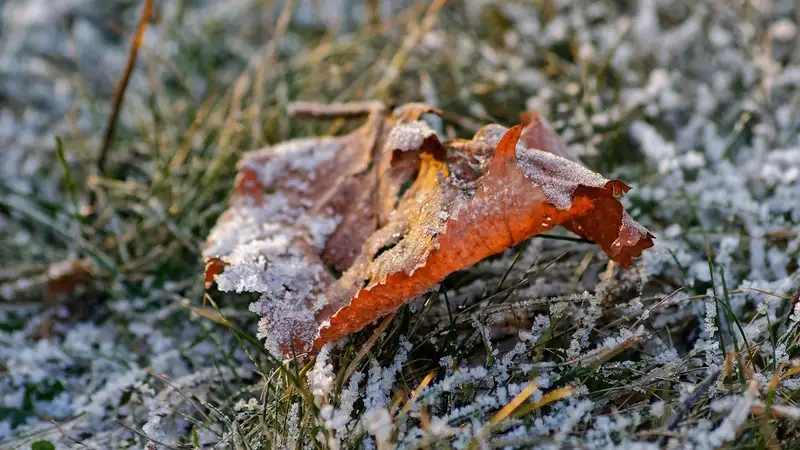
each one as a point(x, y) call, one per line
point(108, 338)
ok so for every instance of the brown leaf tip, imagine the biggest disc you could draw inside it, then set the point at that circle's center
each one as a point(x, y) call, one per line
point(214, 267)
point(616, 188)
point(632, 240)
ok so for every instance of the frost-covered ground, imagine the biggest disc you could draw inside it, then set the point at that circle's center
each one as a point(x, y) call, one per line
point(696, 104)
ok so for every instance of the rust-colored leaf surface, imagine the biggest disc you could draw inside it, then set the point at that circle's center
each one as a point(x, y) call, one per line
point(335, 232)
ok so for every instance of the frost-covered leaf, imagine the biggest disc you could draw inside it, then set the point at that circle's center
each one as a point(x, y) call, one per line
point(395, 210)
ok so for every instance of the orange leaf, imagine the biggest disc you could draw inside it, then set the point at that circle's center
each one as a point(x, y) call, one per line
point(395, 211)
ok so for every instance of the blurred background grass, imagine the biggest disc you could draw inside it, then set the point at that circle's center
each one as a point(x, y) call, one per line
point(114, 254)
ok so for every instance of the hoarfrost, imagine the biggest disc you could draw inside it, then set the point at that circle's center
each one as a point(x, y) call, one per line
point(321, 377)
point(558, 177)
point(409, 135)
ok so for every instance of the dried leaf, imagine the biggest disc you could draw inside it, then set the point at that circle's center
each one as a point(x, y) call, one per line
point(395, 210)
point(214, 267)
point(65, 276)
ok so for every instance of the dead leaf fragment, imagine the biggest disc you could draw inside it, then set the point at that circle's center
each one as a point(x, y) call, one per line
point(214, 267)
point(55, 280)
point(65, 276)
point(336, 232)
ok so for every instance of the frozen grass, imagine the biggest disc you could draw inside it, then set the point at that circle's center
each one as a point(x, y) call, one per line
point(694, 103)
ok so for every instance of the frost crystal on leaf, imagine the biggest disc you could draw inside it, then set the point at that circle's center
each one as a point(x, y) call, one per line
point(557, 177)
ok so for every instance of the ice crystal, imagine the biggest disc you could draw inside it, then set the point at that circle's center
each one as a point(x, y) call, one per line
point(321, 377)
